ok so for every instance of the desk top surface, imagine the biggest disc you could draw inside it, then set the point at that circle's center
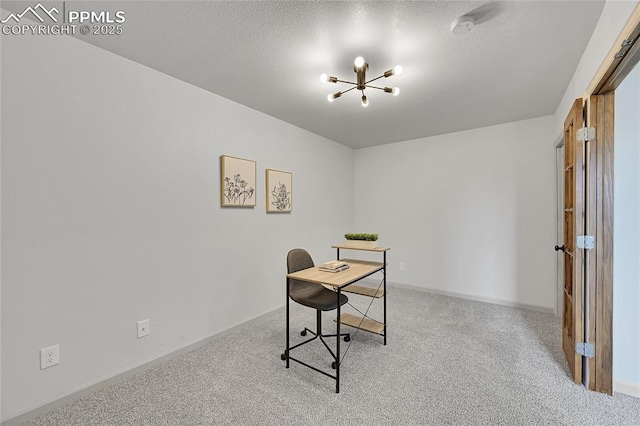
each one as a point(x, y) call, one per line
point(358, 269)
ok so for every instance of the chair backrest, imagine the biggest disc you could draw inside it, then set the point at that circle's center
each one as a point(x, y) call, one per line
point(298, 259)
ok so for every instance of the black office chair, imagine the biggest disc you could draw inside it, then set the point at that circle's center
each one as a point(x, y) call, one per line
point(312, 295)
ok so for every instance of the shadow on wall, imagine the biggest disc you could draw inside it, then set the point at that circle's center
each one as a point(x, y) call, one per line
point(485, 13)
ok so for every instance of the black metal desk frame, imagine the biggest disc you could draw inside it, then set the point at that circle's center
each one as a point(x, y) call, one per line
point(286, 356)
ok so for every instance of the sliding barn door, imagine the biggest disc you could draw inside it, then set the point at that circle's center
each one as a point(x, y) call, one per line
point(572, 318)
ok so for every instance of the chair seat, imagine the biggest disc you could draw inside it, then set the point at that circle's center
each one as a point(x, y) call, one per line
point(315, 296)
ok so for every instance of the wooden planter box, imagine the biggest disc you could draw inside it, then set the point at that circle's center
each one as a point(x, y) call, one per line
point(361, 244)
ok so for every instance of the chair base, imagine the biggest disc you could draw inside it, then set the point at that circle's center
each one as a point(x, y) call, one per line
point(347, 336)
point(318, 334)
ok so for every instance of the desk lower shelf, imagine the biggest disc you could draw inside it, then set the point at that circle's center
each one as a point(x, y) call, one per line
point(365, 324)
point(365, 291)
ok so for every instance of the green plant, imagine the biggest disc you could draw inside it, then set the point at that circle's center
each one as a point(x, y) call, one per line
point(362, 237)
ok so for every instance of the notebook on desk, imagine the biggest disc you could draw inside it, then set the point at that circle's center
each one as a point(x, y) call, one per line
point(334, 266)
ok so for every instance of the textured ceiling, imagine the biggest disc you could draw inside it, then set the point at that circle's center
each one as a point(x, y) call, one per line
point(515, 64)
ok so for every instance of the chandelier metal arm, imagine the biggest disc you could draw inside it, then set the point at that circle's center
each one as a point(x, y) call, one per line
point(374, 87)
point(348, 82)
point(374, 79)
point(348, 90)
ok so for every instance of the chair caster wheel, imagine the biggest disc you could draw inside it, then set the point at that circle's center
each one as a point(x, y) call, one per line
point(333, 365)
point(283, 357)
point(347, 338)
point(303, 333)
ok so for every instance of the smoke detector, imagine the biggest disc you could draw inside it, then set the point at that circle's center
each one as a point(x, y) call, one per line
point(463, 24)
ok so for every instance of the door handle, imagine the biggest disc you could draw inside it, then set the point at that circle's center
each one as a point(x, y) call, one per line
point(561, 248)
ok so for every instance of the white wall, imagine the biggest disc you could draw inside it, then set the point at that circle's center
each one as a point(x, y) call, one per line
point(470, 213)
point(613, 19)
point(111, 214)
point(626, 233)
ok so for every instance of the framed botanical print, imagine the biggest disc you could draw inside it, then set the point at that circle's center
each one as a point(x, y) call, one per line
point(279, 194)
point(237, 182)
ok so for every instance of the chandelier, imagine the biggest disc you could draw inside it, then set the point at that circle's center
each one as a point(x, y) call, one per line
point(360, 67)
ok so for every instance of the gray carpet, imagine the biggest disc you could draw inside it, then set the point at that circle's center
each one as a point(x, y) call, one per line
point(448, 361)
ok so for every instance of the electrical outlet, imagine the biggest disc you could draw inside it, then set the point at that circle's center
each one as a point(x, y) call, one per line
point(49, 357)
point(143, 328)
point(402, 266)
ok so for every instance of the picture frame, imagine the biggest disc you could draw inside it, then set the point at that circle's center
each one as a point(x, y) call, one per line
point(279, 193)
point(237, 182)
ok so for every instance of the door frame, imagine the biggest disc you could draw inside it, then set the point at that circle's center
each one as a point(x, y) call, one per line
point(559, 153)
point(599, 101)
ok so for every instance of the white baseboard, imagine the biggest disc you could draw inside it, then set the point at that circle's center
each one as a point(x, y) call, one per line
point(627, 388)
point(103, 382)
point(465, 296)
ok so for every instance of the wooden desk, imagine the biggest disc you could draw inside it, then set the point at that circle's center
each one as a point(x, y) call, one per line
point(342, 281)
point(358, 269)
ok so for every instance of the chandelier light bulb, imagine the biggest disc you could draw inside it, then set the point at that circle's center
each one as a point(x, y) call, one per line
point(365, 101)
point(333, 96)
point(395, 91)
point(359, 62)
point(397, 70)
point(324, 78)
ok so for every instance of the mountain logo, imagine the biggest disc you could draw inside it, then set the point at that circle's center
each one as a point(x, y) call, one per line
point(34, 12)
